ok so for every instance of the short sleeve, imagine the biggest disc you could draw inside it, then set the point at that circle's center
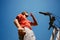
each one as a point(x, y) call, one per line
point(18, 16)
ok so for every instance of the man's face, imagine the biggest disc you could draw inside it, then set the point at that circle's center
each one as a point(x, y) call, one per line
point(26, 14)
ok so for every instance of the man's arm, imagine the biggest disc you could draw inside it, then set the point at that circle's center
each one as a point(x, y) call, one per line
point(17, 23)
point(20, 29)
point(35, 22)
point(50, 17)
point(45, 13)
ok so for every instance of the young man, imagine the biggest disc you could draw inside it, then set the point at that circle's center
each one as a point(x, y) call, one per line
point(24, 26)
point(51, 17)
point(56, 31)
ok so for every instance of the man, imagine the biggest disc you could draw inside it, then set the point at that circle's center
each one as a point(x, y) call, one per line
point(56, 31)
point(24, 26)
point(51, 17)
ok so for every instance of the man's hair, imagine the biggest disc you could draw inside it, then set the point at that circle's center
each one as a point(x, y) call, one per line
point(24, 12)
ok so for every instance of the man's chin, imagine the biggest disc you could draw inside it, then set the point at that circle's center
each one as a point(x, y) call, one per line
point(26, 15)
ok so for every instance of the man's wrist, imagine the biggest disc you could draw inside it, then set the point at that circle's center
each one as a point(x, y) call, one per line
point(20, 29)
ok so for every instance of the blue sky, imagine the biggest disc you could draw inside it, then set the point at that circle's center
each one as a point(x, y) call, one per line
point(9, 9)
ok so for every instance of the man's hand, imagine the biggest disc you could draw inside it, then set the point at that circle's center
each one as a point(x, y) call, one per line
point(31, 14)
point(21, 32)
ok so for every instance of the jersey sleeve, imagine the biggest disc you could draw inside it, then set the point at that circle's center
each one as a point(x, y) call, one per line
point(18, 16)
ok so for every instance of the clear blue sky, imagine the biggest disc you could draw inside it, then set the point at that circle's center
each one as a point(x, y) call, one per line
point(9, 9)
